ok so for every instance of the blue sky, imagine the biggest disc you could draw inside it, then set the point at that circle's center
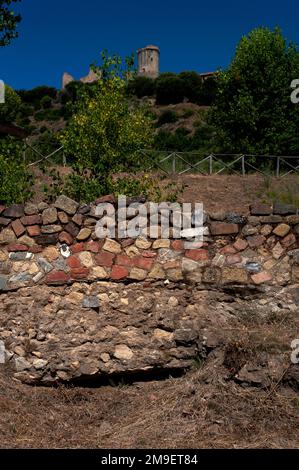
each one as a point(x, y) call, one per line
point(67, 35)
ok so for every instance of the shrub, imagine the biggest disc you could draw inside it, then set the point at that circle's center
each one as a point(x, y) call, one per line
point(15, 182)
point(141, 86)
point(36, 94)
point(192, 86)
point(169, 89)
point(168, 116)
point(9, 109)
point(46, 102)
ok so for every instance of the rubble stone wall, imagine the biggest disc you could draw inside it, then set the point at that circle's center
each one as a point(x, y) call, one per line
point(73, 306)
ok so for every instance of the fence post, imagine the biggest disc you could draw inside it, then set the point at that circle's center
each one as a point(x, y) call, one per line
point(243, 165)
point(24, 153)
point(211, 164)
point(278, 167)
point(173, 163)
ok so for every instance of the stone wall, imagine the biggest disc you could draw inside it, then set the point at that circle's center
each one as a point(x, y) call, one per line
point(73, 306)
point(57, 244)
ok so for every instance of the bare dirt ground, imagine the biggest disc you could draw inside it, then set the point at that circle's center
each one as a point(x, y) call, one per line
point(235, 192)
point(175, 413)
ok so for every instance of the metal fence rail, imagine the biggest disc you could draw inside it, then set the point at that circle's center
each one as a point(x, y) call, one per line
point(184, 162)
point(179, 163)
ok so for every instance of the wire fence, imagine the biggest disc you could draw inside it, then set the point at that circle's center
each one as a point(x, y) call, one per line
point(180, 163)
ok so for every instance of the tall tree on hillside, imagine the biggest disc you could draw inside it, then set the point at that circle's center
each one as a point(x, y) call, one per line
point(253, 112)
point(8, 22)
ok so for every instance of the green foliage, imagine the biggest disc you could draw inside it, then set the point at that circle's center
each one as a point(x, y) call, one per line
point(8, 22)
point(208, 91)
point(253, 112)
point(192, 85)
point(169, 89)
point(15, 180)
point(9, 109)
point(168, 116)
point(35, 95)
point(105, 133)
point(141, 86)
point(46, 102)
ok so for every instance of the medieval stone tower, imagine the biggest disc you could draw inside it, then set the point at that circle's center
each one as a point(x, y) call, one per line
point(149, 61)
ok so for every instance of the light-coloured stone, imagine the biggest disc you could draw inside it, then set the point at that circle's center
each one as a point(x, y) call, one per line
point(282, 230)
point(277, 251)
point(39, 363)
point(105, 357)
point(174, 274)
point(234, 275)
point(189, 265)
point(7, 236)
point(161, 244)
point(104, 298)
point(266, 230)
point(25, 240)
point(84, 234)
point(99, 273)
point(3, 256)
point(123, 352)
point(50, 253)
point(157, 272)
point(132, 251)
point(163, 335)
point(85, 258)
point(143, 244)
point(74, 298)
point(138, 274)
point(112, 246)
point(173, 302)
point(32, 269)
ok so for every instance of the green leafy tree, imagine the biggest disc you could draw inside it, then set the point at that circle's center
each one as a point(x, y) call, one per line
point(253, 112)
point(169, 89)
point(105, 133)
point(8, 22)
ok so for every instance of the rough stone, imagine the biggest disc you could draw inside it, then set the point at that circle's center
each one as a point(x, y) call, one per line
point(261, 209)
point(50, 216)
point(256, 241)
point(261, 277)
point(161, 244)
point(50, 229)
point(30, 209)
point(85, 259)
point(104, 258)
point(4, 221)
point(219, 228)
point(282, 230)
point(46, 240)
point(91, 302)
point(284, 209)
point(84, 234)
point(66, 204)
point(33, 230)
point(234, 275)
point(15, 211)
point(28, 220)
point(123, 352)
point(138, 274)
point(240, 245)
point(143, 244)
point(112, 246)
point(7, 236)
point(119, 272)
